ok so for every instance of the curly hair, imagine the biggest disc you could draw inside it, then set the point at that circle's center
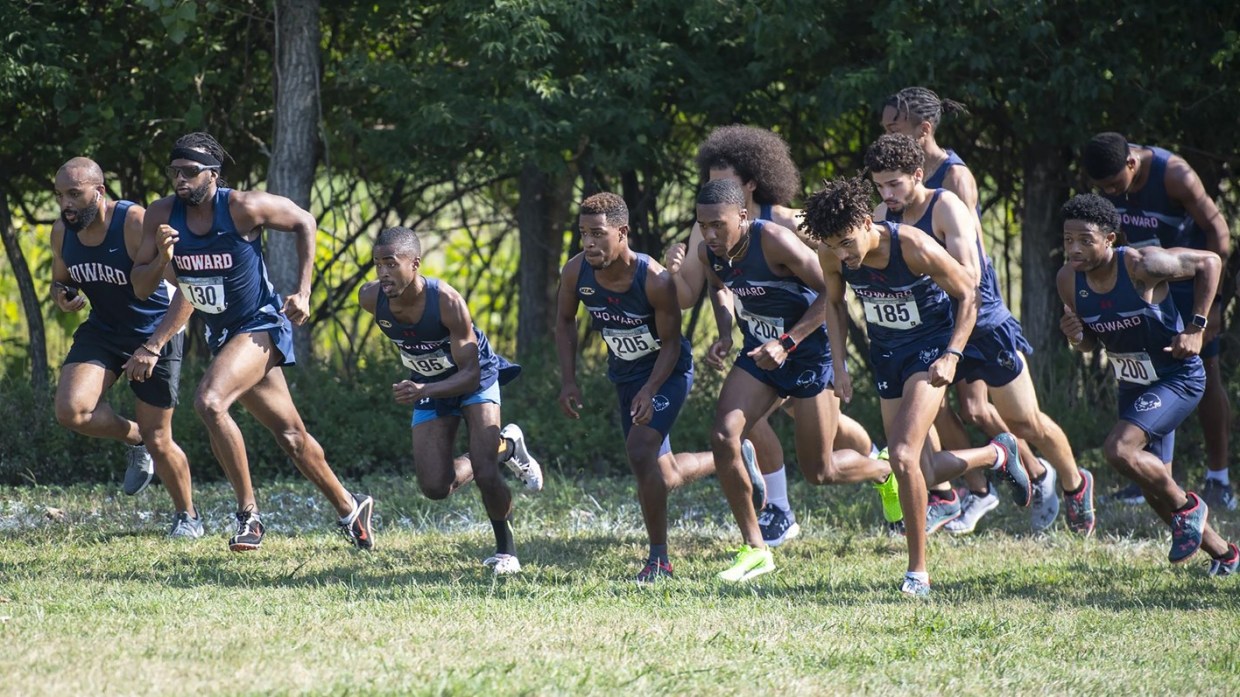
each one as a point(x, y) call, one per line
point(402, 239)
point(757, 155)
point(919, 104)
point(608, 204)
point(1104, 155)
point(841, 205)
point(894, 152)
point(1091, 208)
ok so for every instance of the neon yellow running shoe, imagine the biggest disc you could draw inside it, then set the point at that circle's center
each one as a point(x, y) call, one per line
point(750, 563)
point(889, 492)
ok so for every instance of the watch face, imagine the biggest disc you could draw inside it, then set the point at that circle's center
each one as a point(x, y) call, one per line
point(1200, 321)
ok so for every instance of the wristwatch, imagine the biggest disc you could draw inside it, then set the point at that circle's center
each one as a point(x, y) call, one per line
point(1200, 321)
point(788, 343)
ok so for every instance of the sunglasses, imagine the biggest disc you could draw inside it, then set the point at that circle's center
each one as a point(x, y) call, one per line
point(186, 171)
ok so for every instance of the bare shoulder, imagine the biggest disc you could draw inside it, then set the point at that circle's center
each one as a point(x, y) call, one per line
point(368, 296)
point(787, 217)
point(58, 236)
point(160, 211)
point(571, 267)
point(959, 180)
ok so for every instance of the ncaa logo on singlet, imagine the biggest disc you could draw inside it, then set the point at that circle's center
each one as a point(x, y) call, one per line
point(1148, 402)
point(586, 290)
point(660, 402)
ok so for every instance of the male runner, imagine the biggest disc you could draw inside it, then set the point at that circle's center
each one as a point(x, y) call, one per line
point(453, 374)
point(1119, 298)
point(906, 281)
point(1161, 201)
point(93, 247)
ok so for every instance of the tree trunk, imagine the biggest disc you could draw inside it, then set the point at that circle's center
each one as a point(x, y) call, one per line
point(39, 373)
point(1046, 190)
point(294, 154)
point(542, 213)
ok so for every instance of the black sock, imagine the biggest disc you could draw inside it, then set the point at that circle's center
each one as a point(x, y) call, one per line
point(1187, 505)
point(1040, 478)
point(1075, 491)
point(503, 536)
point(658, 553)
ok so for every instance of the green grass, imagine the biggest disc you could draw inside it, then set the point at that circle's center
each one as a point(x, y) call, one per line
point(101, 602)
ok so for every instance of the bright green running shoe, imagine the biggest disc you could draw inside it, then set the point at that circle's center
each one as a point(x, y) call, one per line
point(750, 563)
point(889, 492)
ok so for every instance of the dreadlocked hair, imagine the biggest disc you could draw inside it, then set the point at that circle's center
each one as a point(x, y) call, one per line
point(201, 140)
point(894, 152)
point(607, 204)
point(757, 155)
point(919, 104)
point(1091, 208)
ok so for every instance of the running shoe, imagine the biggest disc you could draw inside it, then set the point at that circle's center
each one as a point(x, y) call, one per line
point(250, 532)
point(1130, 495)
point(972, 509)
point(940, 511)
point(889, 494)
point(1079, 507)
point(749, 457)
point(139, 469)
point(503, 564)
point(1012, 471)
point(750, 563)
point(777, 525)
point(1228, 564)
point(1218, 496)
point(1186, 529)
point(915, 587)
point(356, 525)
point(655, 570)
point(1044, 508)
point(186, 527)
point(522, 464)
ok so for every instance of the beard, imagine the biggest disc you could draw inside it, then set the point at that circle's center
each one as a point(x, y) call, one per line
point(196, 195)
point(85, 217)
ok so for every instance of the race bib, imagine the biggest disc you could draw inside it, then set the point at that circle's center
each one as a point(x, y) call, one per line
point(630, 344)
point(892, 313)
point(428, 364)
point(205, 294)
point(1133, 367)
point(762, 328)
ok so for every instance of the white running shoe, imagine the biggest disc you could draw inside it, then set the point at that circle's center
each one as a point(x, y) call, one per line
point(503, 564)
point(1044, 508)
point(972, 508)
point(520, 461)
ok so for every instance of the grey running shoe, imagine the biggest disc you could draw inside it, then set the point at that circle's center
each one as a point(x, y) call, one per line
point(1228, 564)
point(185, 527)
point(139, 470)
point(972, 508)
point(777, 525)
point(1218, 495)
point(1130, 495)
point(749, 458)
point(356, 526)
point(520, 461)
point(1079, 507)
point(940, 512)
point(1045, 505)
point(250, 532)
point(915, 588)
point(1186, 529)
point(1013, 471)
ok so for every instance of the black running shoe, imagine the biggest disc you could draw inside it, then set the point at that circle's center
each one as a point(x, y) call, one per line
point(356, 526)
point(250, 531)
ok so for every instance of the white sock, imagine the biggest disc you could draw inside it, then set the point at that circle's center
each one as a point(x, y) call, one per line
point(874, 451)
point(777, 489)
point(922, 576)
point(1220, 476)
point(347, 518)
point(1000, 455)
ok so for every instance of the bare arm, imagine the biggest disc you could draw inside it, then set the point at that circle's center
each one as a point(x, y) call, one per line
point(464, 345)
point(1154, 265)
point(155, 249)
point(782, 247)
point(686, 269)
point(1185, 186)
point(956, 225)
point(254, 209)
point(661, 292)
point(837, 319)
point(141, 363)
point(368, 296)
point(1079, 336)
point(566, 337)
point(959, 180)
point(134, 218)
point(66, 296)
point(926, 256)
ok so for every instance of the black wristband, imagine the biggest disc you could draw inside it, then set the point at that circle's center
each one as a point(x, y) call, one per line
point(954, 352)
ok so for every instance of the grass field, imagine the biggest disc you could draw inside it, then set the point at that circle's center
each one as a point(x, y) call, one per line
point(102, 602)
